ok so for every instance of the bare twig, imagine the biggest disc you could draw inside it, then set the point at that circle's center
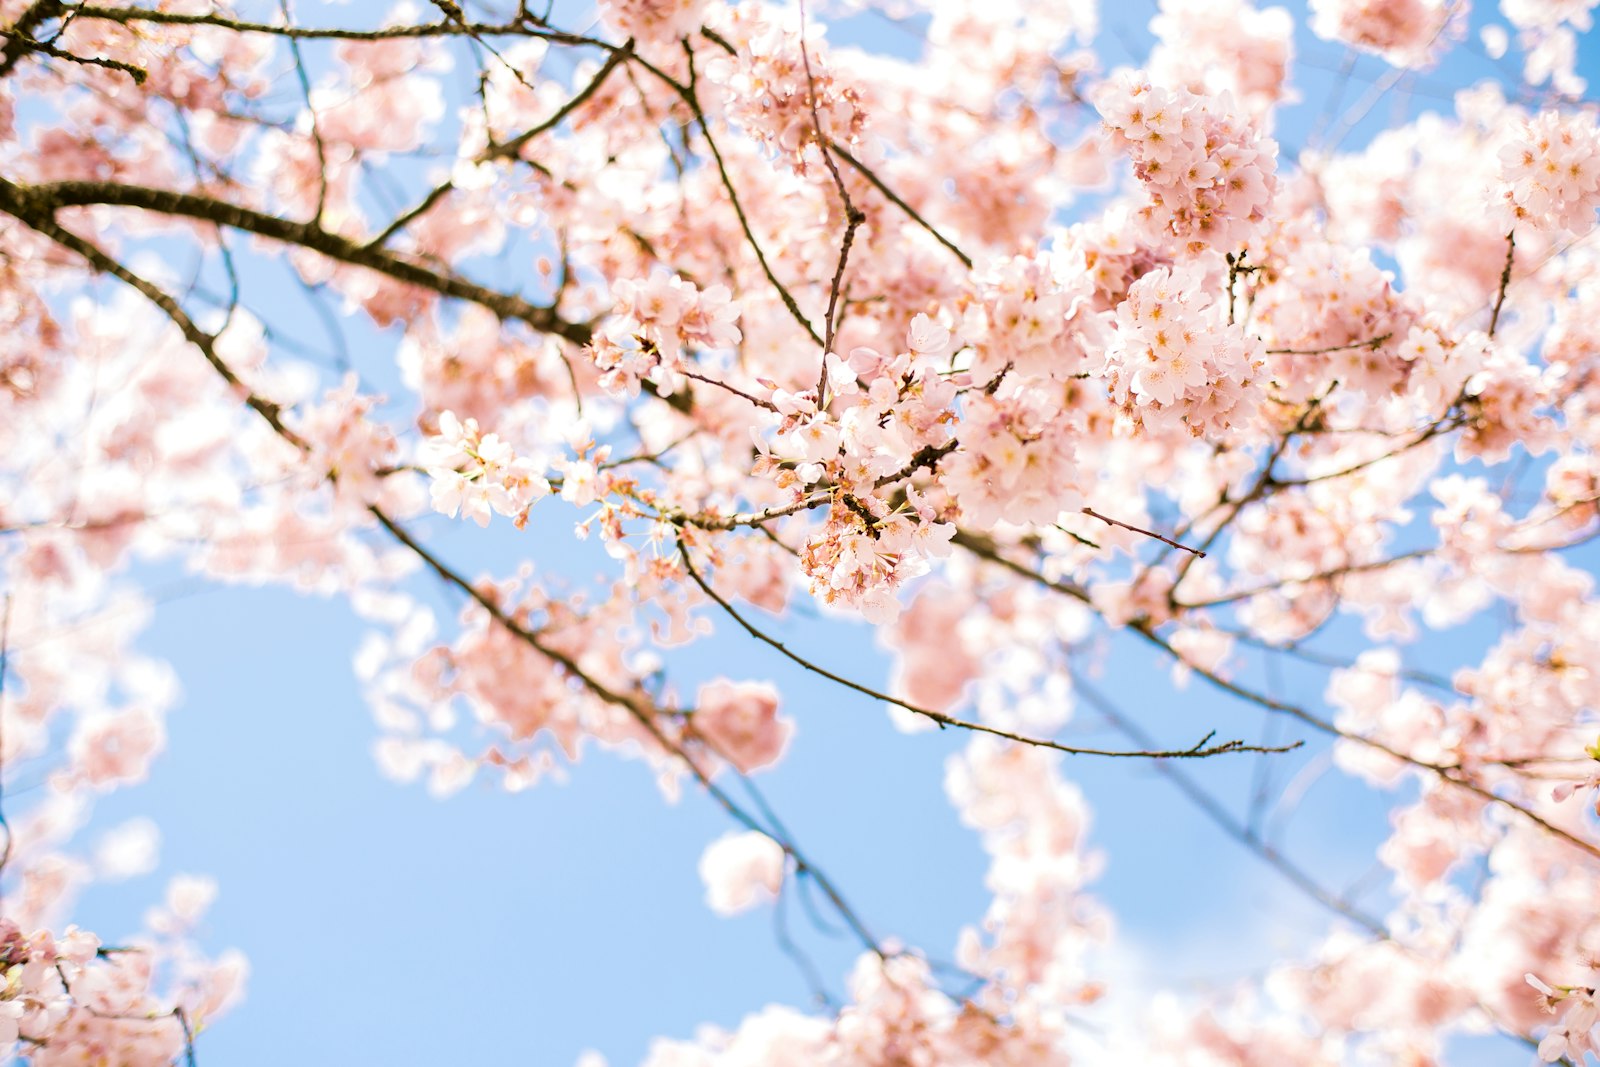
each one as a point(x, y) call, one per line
point(1371, 342)
point(1200, 750)
point(316, 127)
point(1225, 821)
point(1093, 514)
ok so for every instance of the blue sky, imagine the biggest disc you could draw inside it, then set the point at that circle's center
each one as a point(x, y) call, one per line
point(384, 926)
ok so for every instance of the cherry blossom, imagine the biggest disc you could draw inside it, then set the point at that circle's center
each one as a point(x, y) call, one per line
point(739, 869)
point(1022, 352)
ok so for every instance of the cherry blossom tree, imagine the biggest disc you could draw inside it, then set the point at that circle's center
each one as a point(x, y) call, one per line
point(1016, 350)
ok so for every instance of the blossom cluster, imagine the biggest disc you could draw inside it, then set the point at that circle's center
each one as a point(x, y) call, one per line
point(354, 449)
point(1551, 172)
point(1208, 175)
point(739, 869)
point(740, 722)
point(1176, 360)
point(888, 418)
point(70, 1001)
point(655, 24)
point(1212, 47)
point(1402, 31)
point(1576, 1036)
point(655, 321)
point(782, 87)
point(478, 474)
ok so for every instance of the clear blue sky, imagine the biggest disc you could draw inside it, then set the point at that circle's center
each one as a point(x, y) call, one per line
point(383, 926)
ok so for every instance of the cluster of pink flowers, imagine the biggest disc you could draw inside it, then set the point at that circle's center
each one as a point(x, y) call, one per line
point(386, 101)
point(655, 321)
point(864, 562)
point(1034, 315)
point(117, 747)
point(1575, 1036)
point(739, 869)
point(1545, 33)
point(477, 474)
point(72, 1002)
point(1042, 924)
point(740, 723)
point(932, 664)
point(1176, 360)
point(1402, 31)
point(1209, 177)
point(886, 419)
point(1333, 315)
point(1551, 172)
point(1212, 47)
point(354, 450)
point(769, 92)
point(655, 25)
point(1018, 460)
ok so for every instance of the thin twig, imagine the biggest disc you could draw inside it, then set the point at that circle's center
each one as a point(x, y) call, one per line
point(1093, 514)
point(688, 94)
point(316, 129)
point(510, 149)
point(895, 199)
point(1505, 281)
point(853, 216)
point(1220, 816)
point(1371, 342)
point(1200, 750)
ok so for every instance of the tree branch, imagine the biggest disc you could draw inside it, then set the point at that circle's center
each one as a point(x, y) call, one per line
point(1200, 750)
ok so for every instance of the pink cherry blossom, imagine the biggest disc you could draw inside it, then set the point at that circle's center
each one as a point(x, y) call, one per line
point(1020, 351)
point(740, 721)
point(739, 869)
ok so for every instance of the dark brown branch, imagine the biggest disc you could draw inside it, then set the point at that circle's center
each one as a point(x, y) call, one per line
point(27, 45)
point(448, 28)
point(203, 341)
point(401, 221)
point(638, 705)
point(735, 390)
point(19, 35)
point(754, 519)
point(40, 202)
